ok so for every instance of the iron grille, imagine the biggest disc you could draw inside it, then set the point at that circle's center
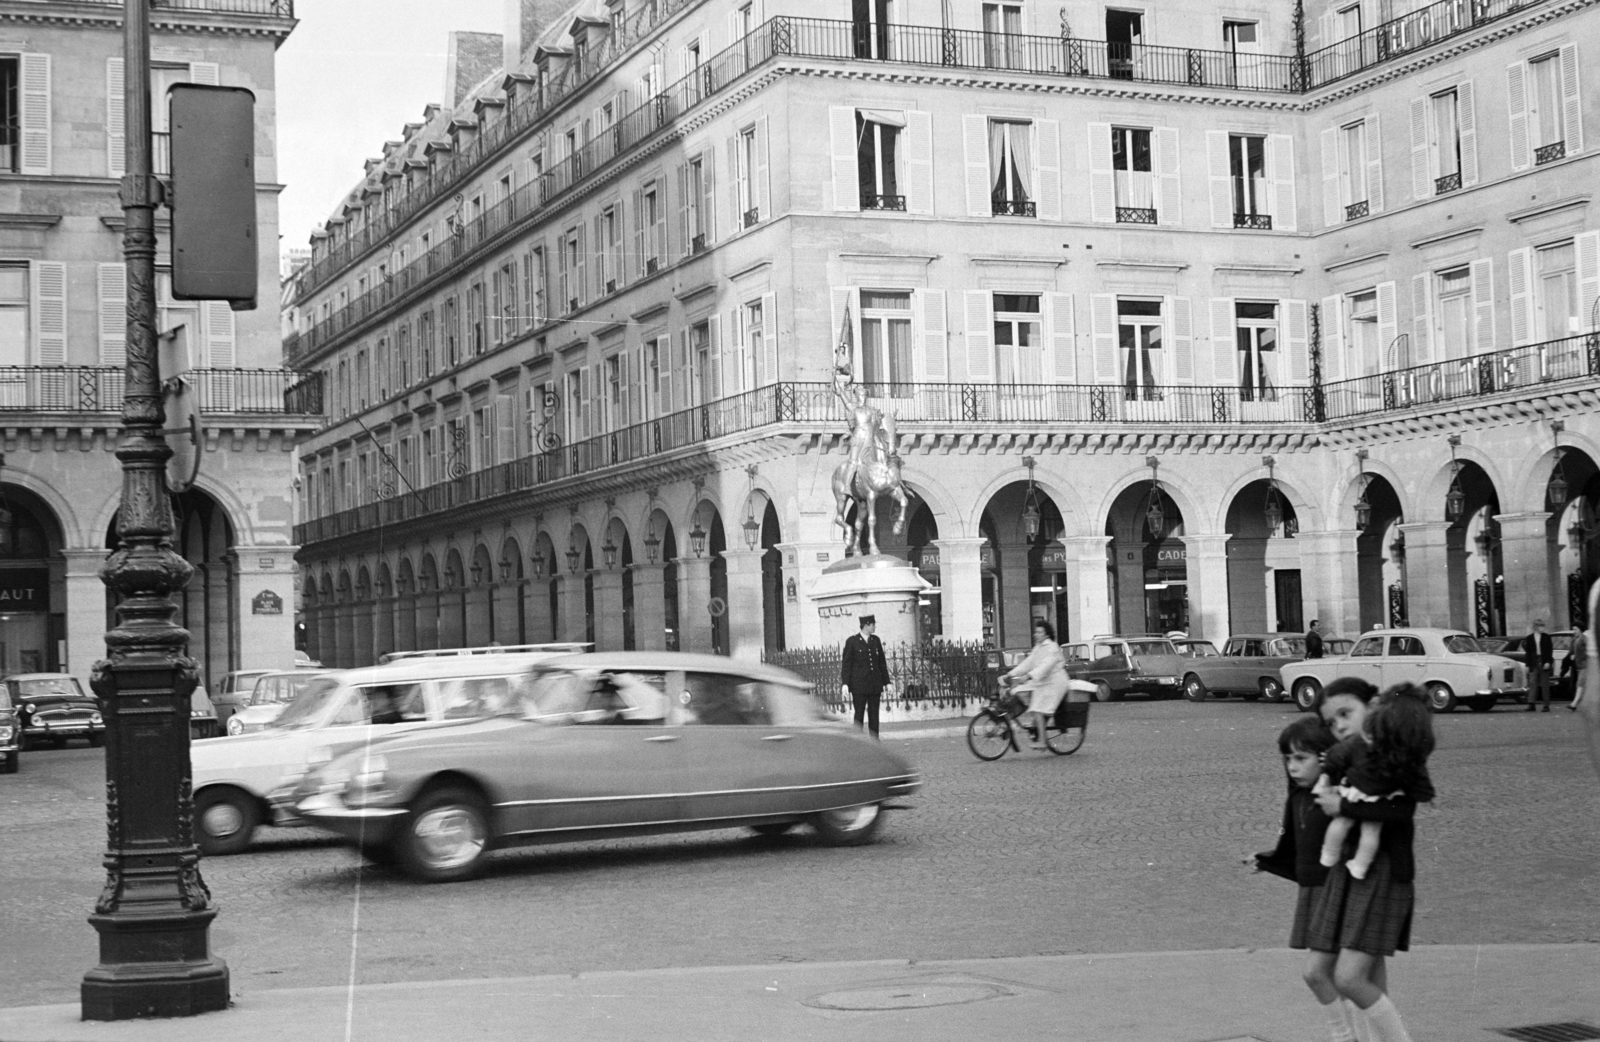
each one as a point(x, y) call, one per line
point(1136, 215)
point(698, 243)
point(611, 285)
point(752, 217)
point(1549, 153)
point(1014, 208)
point(1447, 183)
point(650, 265)
point(1355, 211)
point(1563, 1031)
point(1258, 221)
point(883, 202)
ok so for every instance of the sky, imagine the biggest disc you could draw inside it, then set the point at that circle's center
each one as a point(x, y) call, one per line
point(351, 75)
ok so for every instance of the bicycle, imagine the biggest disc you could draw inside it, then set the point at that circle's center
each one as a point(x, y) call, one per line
point(993, 730)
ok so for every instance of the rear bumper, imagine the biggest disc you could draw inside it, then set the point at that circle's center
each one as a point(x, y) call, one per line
point(906, 786)
point(63, 729)
point(1501, 692)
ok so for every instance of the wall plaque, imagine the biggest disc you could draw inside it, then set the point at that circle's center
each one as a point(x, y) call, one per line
point(266, 603)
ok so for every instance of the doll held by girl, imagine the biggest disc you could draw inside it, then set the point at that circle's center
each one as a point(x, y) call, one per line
point(1388, 758)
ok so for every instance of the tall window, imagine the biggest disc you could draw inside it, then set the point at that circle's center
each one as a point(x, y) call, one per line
point(1557, 299)
point(538, 306)
point(571, 290)
point(754, 360)
point(1135, 180)
point(1247, 163)
point(1544, 102)
point(11, 114)
point(1256, 334)
point(363, 380)
point(749, 193)
point(477, 320)
point(505, 300)
point(1446, 143)
point(425, 344)
point(616, 406)
point(869, 21)
point(1018, 339)
point(1011, 167)
point(1353, 169)
point(13, 317)
point(610, 248)
point(654, 400)
point(483, 437)
point(877, 141)
point(452, 333)
point(695, 189)
point(1366, 353)
point(886, 342)
point(1139, 343)
point(649, 221)
point(1002, 25)
point(1455, 312)
point(700, 358)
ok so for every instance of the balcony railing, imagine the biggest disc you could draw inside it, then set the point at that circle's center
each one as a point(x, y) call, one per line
point(1136, 215)
point(1549, 153)
point(271, 8)
point(1400, 36)
point(1258, 221)
point(1356, 211)
point(873, 201)
point(99, 389)
point(1014, 208)
point(1447, 183)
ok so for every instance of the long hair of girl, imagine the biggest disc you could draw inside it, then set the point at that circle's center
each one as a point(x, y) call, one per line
point(1401, 728)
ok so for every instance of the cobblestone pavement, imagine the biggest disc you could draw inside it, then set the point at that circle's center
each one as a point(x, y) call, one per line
point(1133, 844)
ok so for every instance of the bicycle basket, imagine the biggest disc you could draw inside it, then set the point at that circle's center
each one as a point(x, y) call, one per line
point(1012, 705)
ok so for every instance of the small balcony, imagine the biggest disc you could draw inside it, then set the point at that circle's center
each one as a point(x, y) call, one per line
point(651, 265)
point(752, 217)
point(1447, 183)
point(1356, 211)
point(1549, 153)
point(1014, 208)
point(99, 389)
point(698, 243)
point(1136, 215)
point(873, 201)
point(1260, 222)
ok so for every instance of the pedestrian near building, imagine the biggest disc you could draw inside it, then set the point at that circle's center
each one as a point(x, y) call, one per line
point(865, 673)
point(1577, 662)
point(1314, 640)
point(1044, 675)
point(1538, 652)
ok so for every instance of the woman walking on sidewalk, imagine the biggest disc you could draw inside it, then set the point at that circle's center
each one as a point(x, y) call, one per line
point(1360, 922)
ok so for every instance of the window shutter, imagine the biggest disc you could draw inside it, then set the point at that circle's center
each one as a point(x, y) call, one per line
point(505, 415)
point(735, 175)
point(563, 279)
point(1332, 339)
point(1483, 338)
point(1388, 322)
point(980, 336)
point(1102, 182)
point(1220, 176)
point(1280, 171)
point(1521, 269)
point(1103, 332)
point(50, 312)
point(1178, 318)
point(116, 120)
point(1422, 318)
point(1332, 209)
point(919, 162)
point(1330, 28)
point(113, 282)
point(708, 193)
point(1297, 341)
point(580, 285)
point(1169, 185)
point(685, 228)
point(1374, 164)
point(206, 73)
point(1517, 103)
point(1223, 347)
point(1571, 105)
point(1588, 250)
point(635, 360)
point(975, 142)
point(1062, 336)
point(732, 353)
point(682, 381)
point(933, 333)
point(36, 130)
point(1048, 140)
point(762, 191)
point(1467, 113)
point(661, 252)
point(638, 233)
point(769, 337)
point(714, 354)
point(602, 251)
point(589, 382)
point(1421, 161)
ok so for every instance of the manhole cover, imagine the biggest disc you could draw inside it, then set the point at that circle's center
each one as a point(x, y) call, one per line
point(1566, 1031)
point(908, 996)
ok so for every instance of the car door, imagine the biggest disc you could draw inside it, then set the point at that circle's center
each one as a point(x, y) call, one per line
point(1406, 660)
point(1234, 664)
point(739, 760)
point(1365, 661)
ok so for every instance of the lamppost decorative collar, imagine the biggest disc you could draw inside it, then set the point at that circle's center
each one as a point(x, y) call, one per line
point(1155, 514)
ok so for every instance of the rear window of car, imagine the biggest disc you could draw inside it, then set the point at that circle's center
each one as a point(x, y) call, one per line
point(48, 686)
point(1142, 648)
point(1287, 646)
point(1461, 644)
point(1406, 645)
point(1367, 647)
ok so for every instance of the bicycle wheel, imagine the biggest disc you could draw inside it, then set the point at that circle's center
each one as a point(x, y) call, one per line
point(1063, 741)
point(988, 735)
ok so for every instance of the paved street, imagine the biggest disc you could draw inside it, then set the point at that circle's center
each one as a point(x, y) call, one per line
point(1131, 845)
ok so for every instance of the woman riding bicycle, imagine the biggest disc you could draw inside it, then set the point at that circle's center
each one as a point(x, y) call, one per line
point(1044, 675)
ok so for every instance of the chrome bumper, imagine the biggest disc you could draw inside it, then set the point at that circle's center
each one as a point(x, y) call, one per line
point(63, 728)
point(361, 824)
point(1502, 692)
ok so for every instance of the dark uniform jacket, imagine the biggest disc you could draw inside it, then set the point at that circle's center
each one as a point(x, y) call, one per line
point(1539, 651)
point(864, 672)
point(1313, 644)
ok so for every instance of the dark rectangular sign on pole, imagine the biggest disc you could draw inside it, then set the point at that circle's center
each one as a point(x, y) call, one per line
point(215, 248)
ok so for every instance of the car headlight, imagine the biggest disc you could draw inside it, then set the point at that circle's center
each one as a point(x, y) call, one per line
point(28, 708)
point(95, 718)
point(366, 784)
point(6, 731)
point(235, 725)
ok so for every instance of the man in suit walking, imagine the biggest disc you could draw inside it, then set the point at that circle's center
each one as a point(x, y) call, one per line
point(865, 673)
point(1538, 653)
point(1314, 640)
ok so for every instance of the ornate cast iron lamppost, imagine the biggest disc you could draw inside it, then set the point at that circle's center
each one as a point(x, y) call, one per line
point(1363, 508)
point(1558, 480)
point(154, 915)
point(1272, 513)
point(752, 527)
point(1155, 514)
point(1455, 500)
point(1030, 504)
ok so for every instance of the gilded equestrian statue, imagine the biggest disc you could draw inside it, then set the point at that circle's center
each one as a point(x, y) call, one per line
point(873, 467)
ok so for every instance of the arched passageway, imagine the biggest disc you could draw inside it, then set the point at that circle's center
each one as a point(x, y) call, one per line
point(1023, 565)
point(33, 587)
point(1264, 576)
point(1148, 561)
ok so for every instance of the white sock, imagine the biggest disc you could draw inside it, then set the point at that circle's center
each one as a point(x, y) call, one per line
point(1385, 1021)
point(1356, 868)
point(1359, 1025)
point(1340, 1027)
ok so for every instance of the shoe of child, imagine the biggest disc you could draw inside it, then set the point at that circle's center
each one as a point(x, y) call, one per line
point(1356, 869)
point(1328, 860)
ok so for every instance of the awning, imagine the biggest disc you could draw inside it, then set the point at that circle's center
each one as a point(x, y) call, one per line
point(887, 117)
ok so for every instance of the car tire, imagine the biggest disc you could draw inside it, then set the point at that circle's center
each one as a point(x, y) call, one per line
point(1482, 705)
point(225, 819)
point(445, 837)
point(849, 826)
point(1194, 689)
point(1270, 689)
point(773, 828)
point(1103, 692)
point(1306, 691)
point(1440, 698)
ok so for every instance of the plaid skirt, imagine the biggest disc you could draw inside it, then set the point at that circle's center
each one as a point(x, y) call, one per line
point(1371, 915)
point(1304, 905)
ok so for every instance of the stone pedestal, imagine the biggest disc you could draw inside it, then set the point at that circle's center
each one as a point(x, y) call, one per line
point(878, 585)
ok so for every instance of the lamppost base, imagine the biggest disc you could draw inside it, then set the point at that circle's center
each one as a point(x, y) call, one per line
point(154, 966)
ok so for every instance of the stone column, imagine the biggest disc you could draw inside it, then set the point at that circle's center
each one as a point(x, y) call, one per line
point(1329, 583)
point(361, 653)
point(1088, 590)
point(608, 630)
point(451, 633)
point(1428, 588)
point(427, 628)
point(537, 597)
point(503, 597)
point(476, 629)
point(694, 598)
point(1208, 586)
point(1529, 562)
point(961, 588)
point(344, 640)
point(649, 607)
point(86, 613)
point(386, 613)
point(266, 626)
point(746, 613)
point(574, 616)
point(803, 563)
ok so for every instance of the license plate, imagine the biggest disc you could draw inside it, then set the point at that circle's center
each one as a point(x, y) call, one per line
point(1510, 675)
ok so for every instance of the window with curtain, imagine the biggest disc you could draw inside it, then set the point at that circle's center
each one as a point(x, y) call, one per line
point(1365, 351)
point(877, 148)
point(886, 342)
point(1139, 341)
point(1018, 339)
point(1247, 163)
point(1002, 29)
point(1545, 101)
point(1455, 312)
point(1134, 176)
point(1446, 141)
point(1011, 167)
point(1256, 334)
point(1353, 164)
point(1558, 290)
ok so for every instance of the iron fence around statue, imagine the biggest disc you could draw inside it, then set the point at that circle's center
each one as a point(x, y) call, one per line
point(937, 675)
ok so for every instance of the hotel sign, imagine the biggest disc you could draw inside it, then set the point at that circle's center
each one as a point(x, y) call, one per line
point(25, 589)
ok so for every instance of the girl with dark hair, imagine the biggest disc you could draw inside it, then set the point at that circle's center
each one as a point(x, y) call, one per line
point(1044, 674)
point(1387, 758)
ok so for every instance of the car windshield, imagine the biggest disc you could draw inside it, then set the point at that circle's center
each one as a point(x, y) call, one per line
point(1146, 648)
point(308, 706)
point(1461, 644)
point(1336, 647)
point(1288, 646)
point(274, 690)
point(1198, 649)
point(49, 686)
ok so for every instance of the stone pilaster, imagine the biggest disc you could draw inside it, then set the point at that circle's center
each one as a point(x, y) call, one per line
point(961, 588)
point(1208, 586)
point(649, 607)
point(608, 628)
point(1529, 562)
point(1088, 591)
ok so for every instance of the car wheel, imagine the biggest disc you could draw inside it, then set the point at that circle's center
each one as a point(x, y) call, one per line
point(1482, 705)
point(1271, 690)
point(225, 819)
point(446, 835)
point(773, 828)
point(1305, 693)
point(1102, 692)
point(848, 826)
point(1194, 689)
point(1440, 698)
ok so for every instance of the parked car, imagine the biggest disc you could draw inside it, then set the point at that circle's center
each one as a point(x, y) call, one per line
point(1247, 665)
point(271, 694)
point(1561, 642)
point(234, 777)
point(1449, 665)
point(234, 694)
point(202, 715)
point(1118, 666)
point(10, 734)
point(52, 708)
point(606, 745)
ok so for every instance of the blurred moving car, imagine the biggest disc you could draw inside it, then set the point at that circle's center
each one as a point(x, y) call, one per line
point(607, 745)
point(202, 715)
point(1248, 665)
point(272, 692)
point(1449, 665)
point(1118, 666)
point(10, 734)
point(52, 709)
point(1561, 642)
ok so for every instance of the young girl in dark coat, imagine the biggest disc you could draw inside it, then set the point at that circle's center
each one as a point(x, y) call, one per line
point(1295, 858)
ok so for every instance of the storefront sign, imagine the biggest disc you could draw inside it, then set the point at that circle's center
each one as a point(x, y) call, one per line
point(266, 603)
point(986, 557)
point(927, 559)
point(1054, 558)
point(25, 589)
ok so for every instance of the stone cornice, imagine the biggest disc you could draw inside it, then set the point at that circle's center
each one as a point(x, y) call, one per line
point(1434, 240)
point(168, 20)
point(1353, 261)
point(29, 220)
point(1518, 216)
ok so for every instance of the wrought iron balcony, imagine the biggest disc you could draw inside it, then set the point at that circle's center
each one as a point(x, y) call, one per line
point(1136, 215)
point(271, 8)
point(1403, 35)
point(99, 389)
point(1356, 211)
point(1014, 208)
point(752, 217)
point(650, 265)
point(1549, 153)
point(872, 201)
point(698, 243)
point(1258, 221)
point(1447, 183)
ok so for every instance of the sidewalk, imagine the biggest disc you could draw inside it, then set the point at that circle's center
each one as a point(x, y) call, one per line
point(1447, 994)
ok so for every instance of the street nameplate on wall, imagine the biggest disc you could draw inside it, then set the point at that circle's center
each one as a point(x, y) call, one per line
point(266, 603)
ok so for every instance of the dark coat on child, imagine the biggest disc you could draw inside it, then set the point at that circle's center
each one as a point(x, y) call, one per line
point(1295, 858)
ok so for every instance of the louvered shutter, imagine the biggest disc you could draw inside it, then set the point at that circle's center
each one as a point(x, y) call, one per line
point(1062, 335)
point(602, 252)
point(1388, 322)
point(207, 73)
point(1517, 104)
point(933, 334)
point(1421, 160)
point(1571, 100)
point(1521, 274)
point(1483, 316)
point(635, 362)
point(769, 337)
point(1332, 328)
point(661, 251)
point(505, 414)
point(1374, 139)
point(1103, 332)
point(638, 234)
point(980, 335)
point(735, 175)
point(714, 355)
point(36, 126)
point(1219, 173)
point(708, 193)
point(1588, 250)
point(113, 284)
point(1048, 150)
point(1280, 172)
point(975, 143)
point(1178, 318)
point(1169, 182)
point(1422, 318)
point(580, 282)
point(50, 312)
point(685, 226)
point(1467, 114)
point(1223, 341)
point(116, 120)
point(1102, 180)
point(1297, 341)
point(1332, 207)
point(682, 373)
point(919, 162)
point(762, 191)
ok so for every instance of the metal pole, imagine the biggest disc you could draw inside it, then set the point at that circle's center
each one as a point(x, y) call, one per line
point(155, 912)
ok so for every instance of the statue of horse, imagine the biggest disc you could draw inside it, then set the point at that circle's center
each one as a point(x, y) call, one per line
point(872, 470)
